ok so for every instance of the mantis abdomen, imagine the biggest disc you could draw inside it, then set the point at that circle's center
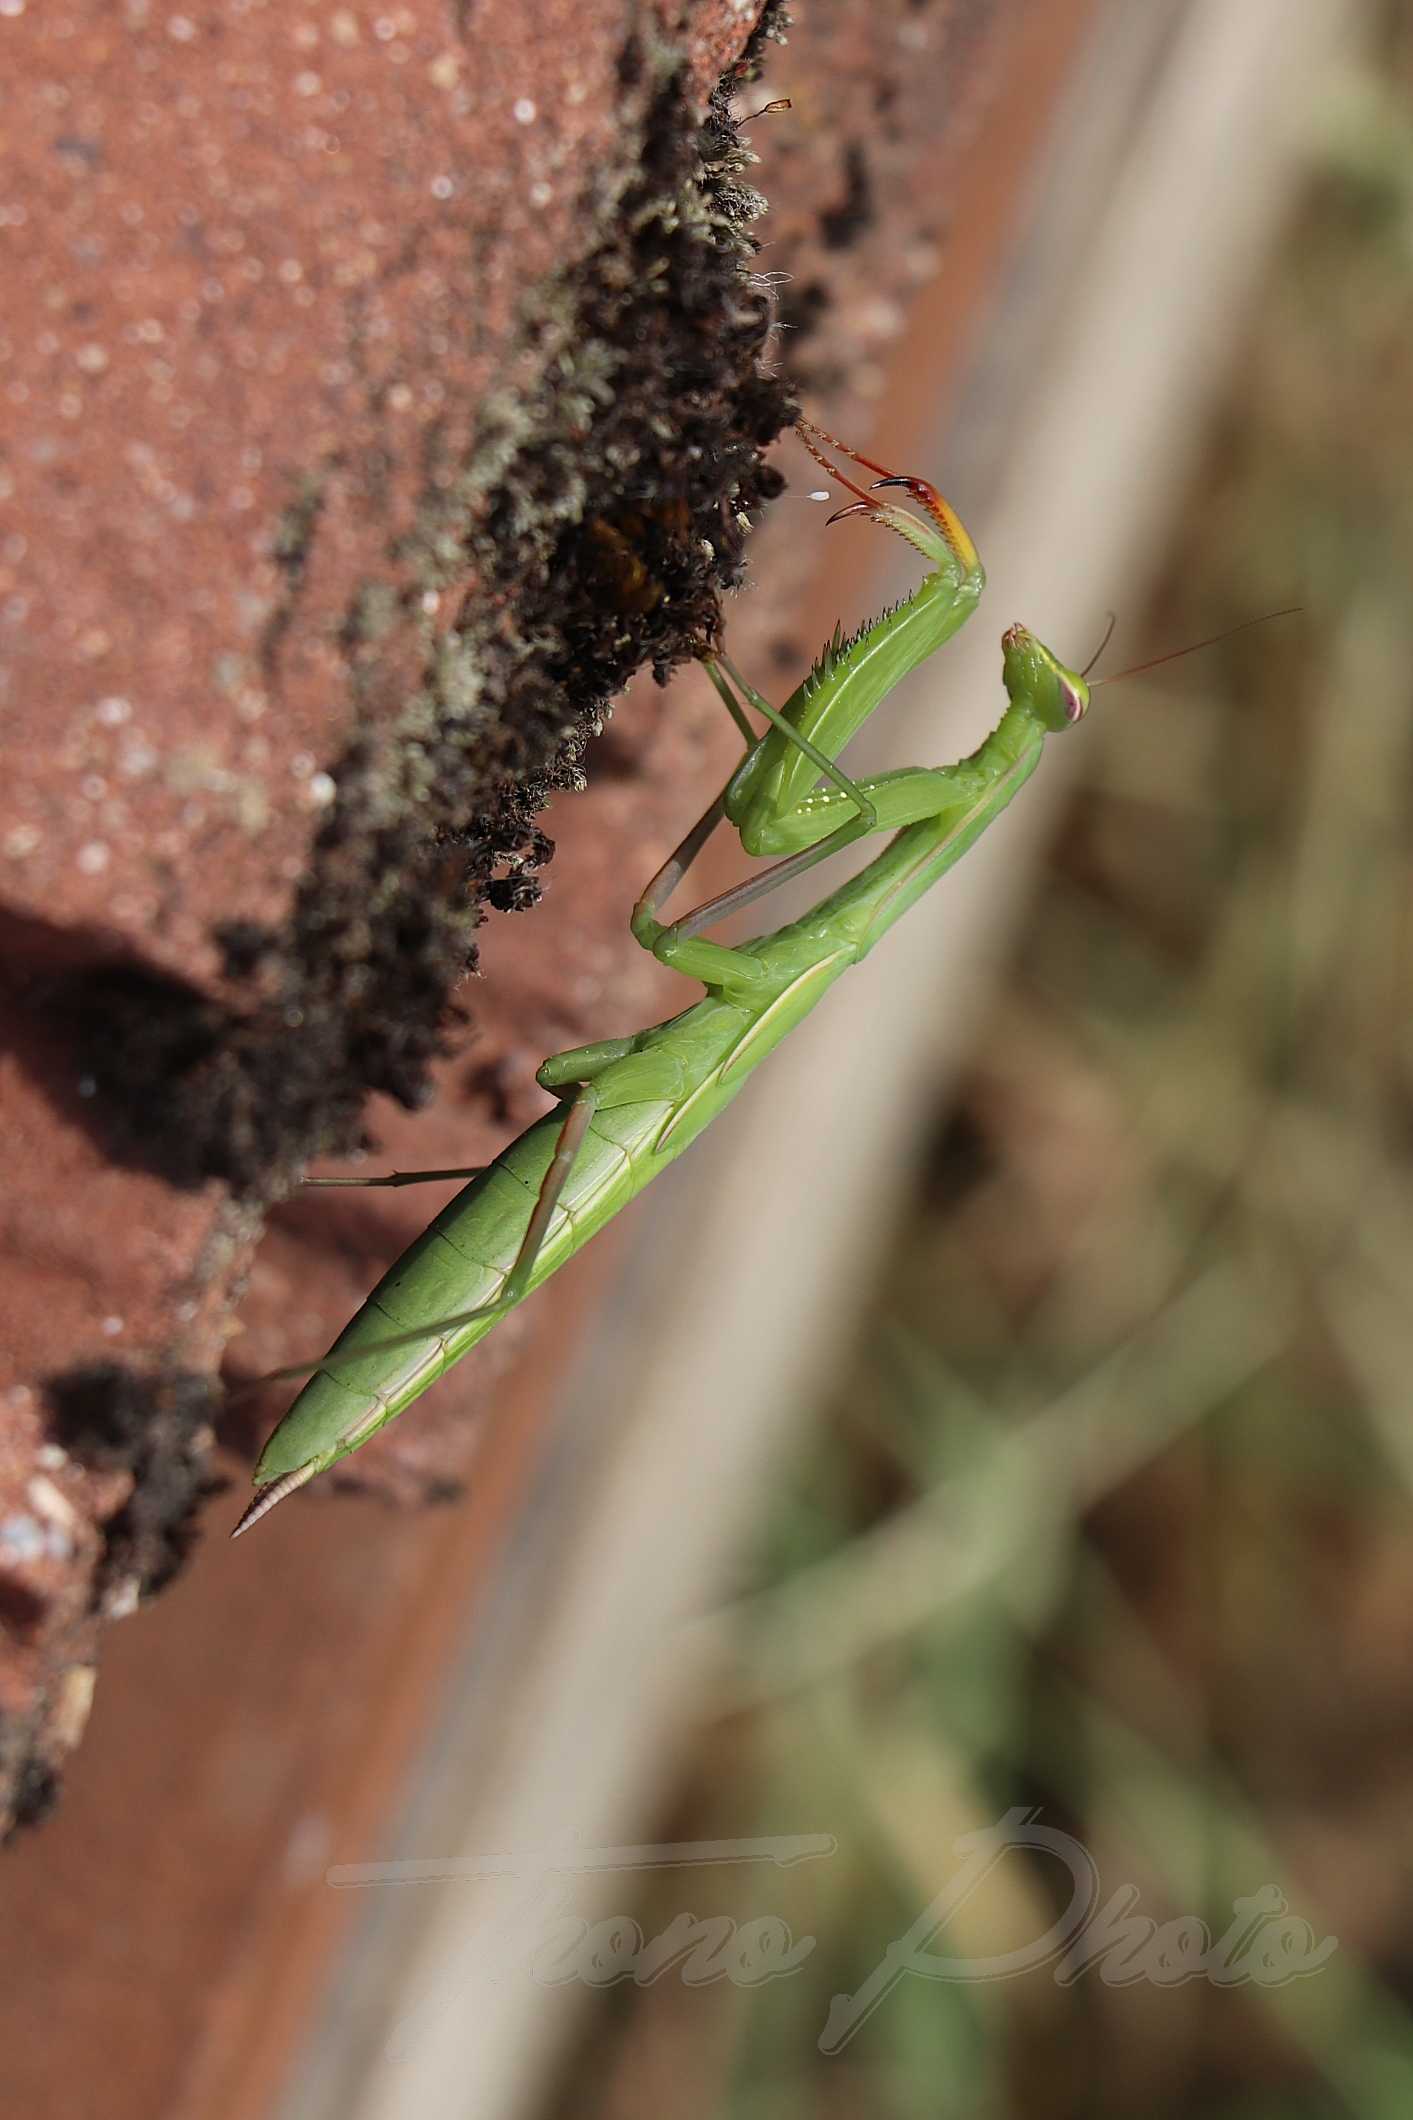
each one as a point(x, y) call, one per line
point(464, 1258)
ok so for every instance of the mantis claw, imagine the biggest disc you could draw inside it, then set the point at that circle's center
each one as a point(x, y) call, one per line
point(854, 508)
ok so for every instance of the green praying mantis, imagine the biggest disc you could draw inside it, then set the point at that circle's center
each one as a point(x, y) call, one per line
point(629, 1106)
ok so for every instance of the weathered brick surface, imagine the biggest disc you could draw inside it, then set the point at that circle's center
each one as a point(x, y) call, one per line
point(261, 267)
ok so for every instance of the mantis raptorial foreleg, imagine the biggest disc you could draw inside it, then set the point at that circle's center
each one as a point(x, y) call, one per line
point(774, 798)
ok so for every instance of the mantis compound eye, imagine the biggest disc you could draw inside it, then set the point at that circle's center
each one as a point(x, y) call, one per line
point(1074, 697)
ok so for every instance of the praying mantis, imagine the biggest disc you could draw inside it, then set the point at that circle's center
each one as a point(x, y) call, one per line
point(631, 1105)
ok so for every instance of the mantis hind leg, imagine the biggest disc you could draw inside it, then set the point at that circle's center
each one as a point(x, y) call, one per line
point(403, 1177)
point(562, 1071)
point(515, 1286)
point(572, 1074)
point(517, 1281)
point(570, 1141)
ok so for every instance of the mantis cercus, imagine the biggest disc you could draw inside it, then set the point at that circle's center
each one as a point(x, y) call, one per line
point(635, 1103)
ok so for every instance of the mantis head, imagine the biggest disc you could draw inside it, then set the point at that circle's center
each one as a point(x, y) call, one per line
point(1040, 680)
